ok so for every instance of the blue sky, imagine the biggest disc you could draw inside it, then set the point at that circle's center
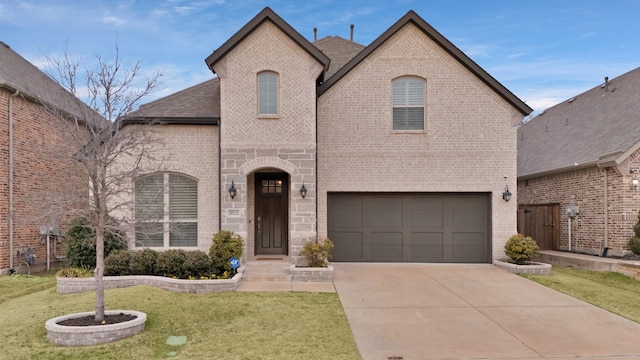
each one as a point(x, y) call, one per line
point(544, 51)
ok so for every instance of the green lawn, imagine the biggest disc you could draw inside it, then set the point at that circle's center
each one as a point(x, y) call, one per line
point(611, 291)
point(231, 325)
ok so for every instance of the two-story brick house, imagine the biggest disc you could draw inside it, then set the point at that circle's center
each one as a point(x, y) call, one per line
point(399, 151)
point(40, 185)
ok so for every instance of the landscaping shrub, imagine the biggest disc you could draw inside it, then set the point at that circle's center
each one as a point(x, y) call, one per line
point(197, 264)
point(117, 263)
point(171, 263)
point(634, 242)
point(143, 262)
point(80, 247)
point(226, 245)
point(75, 272)
point(521, 249)
point(318, 253)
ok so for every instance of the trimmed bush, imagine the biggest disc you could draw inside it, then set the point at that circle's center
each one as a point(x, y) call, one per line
point(75, 272)
point(80, 247)
point(521, 249)
point(170, 263)
point(318, 253)
point(117, 263)
point(226, 245)
point(143, 262)
point(634, 242)
point(197, 264)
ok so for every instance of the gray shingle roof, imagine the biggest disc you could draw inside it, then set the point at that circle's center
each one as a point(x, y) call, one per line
point(597, 126)
point(16, 73)
point(197, 104)
point(339, 50)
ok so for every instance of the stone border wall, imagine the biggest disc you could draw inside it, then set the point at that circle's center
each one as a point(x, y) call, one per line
point(311, 274)
point(78, 285)
point(93, 335)
point(532, 268)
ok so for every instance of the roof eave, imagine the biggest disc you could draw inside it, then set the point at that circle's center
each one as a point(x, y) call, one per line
point(412, 17)
point(171, 120)
point(266, 15)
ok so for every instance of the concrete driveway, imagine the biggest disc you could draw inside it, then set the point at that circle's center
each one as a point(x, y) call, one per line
point(427, 311)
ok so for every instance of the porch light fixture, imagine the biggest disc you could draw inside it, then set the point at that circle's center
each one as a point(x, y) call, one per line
point(506, 195)
point(232, 190)
point(303, 191)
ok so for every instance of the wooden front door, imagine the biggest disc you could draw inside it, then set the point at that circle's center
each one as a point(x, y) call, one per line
point(272, 214)
point(542, 223)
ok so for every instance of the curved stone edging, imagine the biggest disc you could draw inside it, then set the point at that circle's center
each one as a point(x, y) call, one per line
point(78, 285)
point(532, 267)
point(93, 335)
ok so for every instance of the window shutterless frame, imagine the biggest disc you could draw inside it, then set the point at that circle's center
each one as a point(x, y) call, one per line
point(409, 103)
point(268, 99)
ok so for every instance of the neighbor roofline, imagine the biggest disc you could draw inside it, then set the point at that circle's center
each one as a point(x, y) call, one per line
point(171, 120)
point(412, 17)
point(266, 15)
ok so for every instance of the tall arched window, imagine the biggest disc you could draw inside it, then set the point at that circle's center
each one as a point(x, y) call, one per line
point(268, 93)
point(408, 103)
point(166, 211)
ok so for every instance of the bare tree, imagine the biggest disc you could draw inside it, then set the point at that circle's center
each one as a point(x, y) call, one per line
point(110, 154)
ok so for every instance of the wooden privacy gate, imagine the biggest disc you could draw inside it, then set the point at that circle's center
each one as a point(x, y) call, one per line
point(542, 223)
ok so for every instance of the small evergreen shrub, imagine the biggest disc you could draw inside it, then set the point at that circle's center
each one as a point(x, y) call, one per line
point(318, 253)
point(170, 263)
point(117, 263)
point(226, 245)
point(198, 264)
point(80, 247)
point(143, 262)
point(521, 249)
point(634, 242)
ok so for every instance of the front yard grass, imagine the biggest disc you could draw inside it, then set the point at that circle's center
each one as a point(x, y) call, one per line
point(230, 325)
point(611, 291)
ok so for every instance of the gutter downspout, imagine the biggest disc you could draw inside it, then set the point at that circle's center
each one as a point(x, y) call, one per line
point(11, 178)
point(606, 212)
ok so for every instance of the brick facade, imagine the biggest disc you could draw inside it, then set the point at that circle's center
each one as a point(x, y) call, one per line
point(48, 186)
point(283, 143)
point(585, 188)
point(469, 142)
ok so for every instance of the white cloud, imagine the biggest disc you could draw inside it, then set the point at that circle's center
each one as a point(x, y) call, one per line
point(113, 20)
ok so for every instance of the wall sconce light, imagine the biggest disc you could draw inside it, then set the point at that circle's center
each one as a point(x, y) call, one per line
point(506, 195)
point(232, 190)
point(633, 185)
point(303, 191)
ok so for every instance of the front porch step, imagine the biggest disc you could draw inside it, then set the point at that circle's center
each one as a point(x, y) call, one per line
point(265, 271)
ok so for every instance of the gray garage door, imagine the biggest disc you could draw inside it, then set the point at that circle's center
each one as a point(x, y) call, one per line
point(410, 227)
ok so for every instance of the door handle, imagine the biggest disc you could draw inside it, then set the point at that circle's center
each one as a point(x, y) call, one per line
point(258, 222)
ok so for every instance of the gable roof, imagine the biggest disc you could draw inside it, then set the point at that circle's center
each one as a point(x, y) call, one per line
point(199, 104)
point(598, 127)
point(339, 50)
point(412, 17)
point(16, 73)
point(266, 15)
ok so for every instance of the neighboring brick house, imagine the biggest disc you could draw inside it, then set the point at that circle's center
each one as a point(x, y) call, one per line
point(399, 151)
point(39, 182)
point(583, 154)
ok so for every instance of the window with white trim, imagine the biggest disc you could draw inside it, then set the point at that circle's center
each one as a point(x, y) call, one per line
point(408, 103)
point(166, 211)
point(267, 93)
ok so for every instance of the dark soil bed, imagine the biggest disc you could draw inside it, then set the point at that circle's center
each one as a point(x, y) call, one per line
point(91, 321)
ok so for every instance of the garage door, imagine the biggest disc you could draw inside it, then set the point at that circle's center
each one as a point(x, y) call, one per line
point(410, 227)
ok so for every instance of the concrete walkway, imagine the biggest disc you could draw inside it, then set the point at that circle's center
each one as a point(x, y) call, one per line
point(427, 311)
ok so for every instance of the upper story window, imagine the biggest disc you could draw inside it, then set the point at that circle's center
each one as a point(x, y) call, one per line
point(166, 211)
point(408, 103)
point(267, 93)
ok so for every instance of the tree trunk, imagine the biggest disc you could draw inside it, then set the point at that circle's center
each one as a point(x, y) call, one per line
point(99, 272)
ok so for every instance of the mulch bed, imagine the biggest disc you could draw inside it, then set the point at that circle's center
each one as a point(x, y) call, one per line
point(90, 320)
